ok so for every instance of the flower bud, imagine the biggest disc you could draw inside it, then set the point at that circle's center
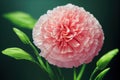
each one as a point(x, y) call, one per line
point(22, 36)
point(18, 54)
point(105, 59)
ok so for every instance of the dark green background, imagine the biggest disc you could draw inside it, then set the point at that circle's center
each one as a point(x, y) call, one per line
point(106, 11)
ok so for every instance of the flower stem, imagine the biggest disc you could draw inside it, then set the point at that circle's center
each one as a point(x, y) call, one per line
point(81, 72)
point(94, 71)
point(42, 65)
point(35, 50)
point(60, 76)
point(45, 67)
point(75, 76)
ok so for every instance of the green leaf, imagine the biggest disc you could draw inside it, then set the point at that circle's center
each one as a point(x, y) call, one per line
point(17, 53)
point(21, 19)
point(102, 74)
point(22, 36)
point(105, 59)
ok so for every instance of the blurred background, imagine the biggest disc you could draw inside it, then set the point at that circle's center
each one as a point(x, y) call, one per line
point(106, 11)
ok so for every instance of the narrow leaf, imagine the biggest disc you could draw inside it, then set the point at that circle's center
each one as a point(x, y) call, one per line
point(18, 54)
point(22, 36)
point(102, 74)
point(21, 19)
point(105, 59)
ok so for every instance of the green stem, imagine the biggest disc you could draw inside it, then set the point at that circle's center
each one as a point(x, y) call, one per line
point(94, 71)
point(41, 63)
point(81, 72)
point(75, 76)
point(35, 50)
point(60, 76)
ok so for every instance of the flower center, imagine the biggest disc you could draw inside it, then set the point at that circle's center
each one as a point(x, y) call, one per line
point(66, 34)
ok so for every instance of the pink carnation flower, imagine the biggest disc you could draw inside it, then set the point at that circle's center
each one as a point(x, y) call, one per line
point(68, 36)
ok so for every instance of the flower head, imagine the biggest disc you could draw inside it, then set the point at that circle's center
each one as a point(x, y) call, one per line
point(68, 36)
